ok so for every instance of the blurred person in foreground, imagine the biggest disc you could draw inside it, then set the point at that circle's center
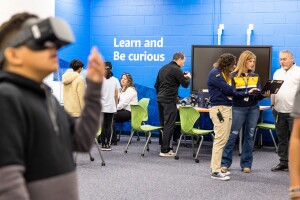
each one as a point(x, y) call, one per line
point(294, 158)
point(37, 135)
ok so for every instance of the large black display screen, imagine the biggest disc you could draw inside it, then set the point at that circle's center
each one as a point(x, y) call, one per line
point(203, 57)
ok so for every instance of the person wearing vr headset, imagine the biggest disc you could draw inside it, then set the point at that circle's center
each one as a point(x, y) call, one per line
point(37, 135)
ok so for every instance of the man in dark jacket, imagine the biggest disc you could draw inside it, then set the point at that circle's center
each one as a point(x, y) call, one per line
point(168, 80)
point(37, 135)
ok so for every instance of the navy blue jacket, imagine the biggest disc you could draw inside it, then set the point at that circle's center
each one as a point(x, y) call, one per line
point(218, 89)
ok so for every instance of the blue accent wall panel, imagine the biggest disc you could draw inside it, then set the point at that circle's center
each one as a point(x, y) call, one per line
point(180, 24)
point(77, 14)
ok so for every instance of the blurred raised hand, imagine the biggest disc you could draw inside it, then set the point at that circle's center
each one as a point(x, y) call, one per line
point(95, 67)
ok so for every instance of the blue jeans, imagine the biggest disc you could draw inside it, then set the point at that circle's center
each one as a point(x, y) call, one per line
point(246, 118)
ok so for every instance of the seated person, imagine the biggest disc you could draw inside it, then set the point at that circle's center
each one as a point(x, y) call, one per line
point(127, 96)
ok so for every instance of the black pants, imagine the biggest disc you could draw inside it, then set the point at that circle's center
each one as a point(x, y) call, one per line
point(167, 117)
point(106, 128)
point(284, 125)
point(120, 117)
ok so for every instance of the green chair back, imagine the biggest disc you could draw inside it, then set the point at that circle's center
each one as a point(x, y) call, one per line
point(144, 102)
point(188, 117)
point(138, 114)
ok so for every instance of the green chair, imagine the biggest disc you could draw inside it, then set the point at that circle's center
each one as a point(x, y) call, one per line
point(138, 114)
point(271, 127)
point(143, 102)
point(188, 117)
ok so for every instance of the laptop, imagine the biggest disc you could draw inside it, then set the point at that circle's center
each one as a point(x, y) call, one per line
point(273, 86)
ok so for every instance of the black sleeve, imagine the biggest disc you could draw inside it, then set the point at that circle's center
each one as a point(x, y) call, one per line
point(184, 81)
point(156, 85)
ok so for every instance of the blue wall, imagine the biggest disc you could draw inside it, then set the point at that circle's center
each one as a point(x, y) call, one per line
point(176, 25)
point(77, 13)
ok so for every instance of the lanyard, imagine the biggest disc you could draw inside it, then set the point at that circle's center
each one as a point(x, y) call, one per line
point(228, 81)
point(246, 82)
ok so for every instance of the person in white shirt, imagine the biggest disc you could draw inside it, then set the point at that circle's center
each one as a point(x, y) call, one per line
point(109, 101)
point(127, 95)
point(282, 105)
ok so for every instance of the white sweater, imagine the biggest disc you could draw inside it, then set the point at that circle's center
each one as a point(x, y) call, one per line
point(126, 98)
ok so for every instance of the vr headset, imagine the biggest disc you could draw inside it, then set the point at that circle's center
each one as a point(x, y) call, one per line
point(39, 34)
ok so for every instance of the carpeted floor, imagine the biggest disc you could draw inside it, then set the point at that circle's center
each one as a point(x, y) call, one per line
point(131, 176)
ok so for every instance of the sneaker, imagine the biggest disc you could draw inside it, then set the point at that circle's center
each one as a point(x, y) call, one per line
point(103, 148)
point(219, 176)
point(169, 154)
point(246, 170)
point(225, 171)
point(106, 148)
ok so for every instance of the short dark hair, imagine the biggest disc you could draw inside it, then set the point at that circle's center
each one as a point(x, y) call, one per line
point(178, 55)
point(108, 73)
point(108, 65)
point(10, 28)
point(76, 64)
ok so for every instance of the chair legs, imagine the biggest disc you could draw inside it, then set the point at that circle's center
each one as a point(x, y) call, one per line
point(120, 132)
point(260, 140)
point(75, 158)
point(148, 136)
point(91, 157)
point(178, 145)
point(111, 131)
point(273, 140)
point(148, 141)
point(196, 157)
point(129, 141)
point(194, 154)
point(99, 150)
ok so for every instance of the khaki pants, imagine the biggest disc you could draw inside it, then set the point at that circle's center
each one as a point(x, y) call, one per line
point(222, 131)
